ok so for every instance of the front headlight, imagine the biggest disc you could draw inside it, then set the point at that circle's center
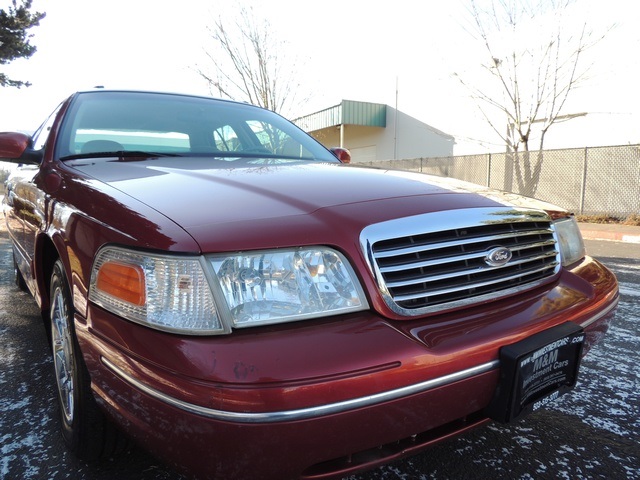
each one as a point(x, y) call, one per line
point(165, 292)
point(274, 286)
point(570, 239)
point(176, 293)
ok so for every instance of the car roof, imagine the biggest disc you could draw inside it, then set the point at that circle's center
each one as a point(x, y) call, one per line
point(100, 89)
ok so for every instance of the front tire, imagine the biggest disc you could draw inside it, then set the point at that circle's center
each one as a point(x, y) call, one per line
point(85, 429)
point(18, 279)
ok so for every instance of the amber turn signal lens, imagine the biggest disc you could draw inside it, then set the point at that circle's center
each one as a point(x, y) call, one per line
point(122, 281)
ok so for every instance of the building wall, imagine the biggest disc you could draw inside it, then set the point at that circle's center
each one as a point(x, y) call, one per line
point(411, 139)
point(415, 136)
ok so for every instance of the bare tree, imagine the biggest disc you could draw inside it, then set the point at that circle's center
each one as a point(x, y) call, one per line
point(534, 60)
point(248, 63)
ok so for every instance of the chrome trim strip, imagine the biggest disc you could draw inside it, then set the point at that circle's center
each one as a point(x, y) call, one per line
point(444, 291)
point(469, 241)
point(472, 271)
point(460, 258)
point(302, 413)
point(601, 314)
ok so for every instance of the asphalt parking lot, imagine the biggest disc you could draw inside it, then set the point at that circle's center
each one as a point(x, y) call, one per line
point(590, 433)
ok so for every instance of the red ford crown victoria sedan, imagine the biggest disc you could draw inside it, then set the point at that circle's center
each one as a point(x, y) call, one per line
point(230, 295)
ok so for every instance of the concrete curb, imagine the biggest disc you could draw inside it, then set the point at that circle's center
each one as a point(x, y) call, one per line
point(614, 233)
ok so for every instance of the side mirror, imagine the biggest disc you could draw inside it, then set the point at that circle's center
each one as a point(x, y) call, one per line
point(13, 146)
point(342, 154)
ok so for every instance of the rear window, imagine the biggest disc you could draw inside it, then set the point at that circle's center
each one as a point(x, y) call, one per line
point(174, 142)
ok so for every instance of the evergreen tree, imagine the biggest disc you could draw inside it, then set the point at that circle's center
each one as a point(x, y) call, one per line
point(14, 39)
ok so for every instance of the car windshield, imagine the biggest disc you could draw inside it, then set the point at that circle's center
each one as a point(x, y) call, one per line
point(135, 123)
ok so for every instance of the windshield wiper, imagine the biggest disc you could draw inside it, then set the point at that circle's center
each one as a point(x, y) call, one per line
point(123, 155)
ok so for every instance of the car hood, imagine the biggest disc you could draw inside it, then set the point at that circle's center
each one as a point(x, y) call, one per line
point(218, 205)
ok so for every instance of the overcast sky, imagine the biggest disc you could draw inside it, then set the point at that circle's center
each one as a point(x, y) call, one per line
point(356, 50)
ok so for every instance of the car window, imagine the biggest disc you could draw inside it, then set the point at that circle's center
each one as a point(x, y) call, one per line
point(39, 138)
point(257, 136)
point(225, 139)
point(102, 122)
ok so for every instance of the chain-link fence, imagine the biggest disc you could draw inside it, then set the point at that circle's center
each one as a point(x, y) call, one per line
point(587, 181)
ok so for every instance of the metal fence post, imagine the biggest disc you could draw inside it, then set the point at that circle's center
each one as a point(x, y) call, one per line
point(489, 171)
point(583, 186)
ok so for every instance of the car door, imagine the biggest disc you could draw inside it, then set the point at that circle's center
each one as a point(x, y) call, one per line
point(18, 208)
point(29, 202)
point(11, 207)
point(32, 213)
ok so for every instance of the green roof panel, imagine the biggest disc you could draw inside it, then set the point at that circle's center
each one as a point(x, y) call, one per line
point(363, 113)
point(348, 112)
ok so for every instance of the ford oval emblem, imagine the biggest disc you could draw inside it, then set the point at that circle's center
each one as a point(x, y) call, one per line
point(498, 257)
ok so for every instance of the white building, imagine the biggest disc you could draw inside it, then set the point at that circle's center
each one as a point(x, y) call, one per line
point(373, 132)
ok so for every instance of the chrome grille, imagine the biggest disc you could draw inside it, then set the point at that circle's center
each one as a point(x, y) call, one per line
point(440, 260)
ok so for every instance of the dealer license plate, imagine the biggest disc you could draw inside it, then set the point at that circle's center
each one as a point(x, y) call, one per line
point(536, 371)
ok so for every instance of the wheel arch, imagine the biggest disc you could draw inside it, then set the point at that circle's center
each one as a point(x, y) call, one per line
point(46, 255)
